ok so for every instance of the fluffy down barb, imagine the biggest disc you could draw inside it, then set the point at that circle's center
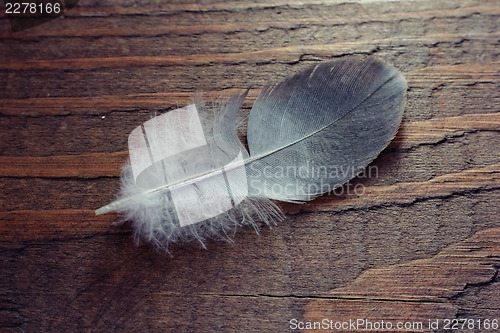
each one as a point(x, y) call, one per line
point(155, 215)
point(155, 219)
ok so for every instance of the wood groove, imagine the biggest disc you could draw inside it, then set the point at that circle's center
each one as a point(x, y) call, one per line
point(228, 6)
point(251, 26)
point(285, 54)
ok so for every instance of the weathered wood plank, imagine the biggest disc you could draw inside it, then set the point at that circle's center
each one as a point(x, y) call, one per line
point(101, 105)
point(96, 165)
point(285, 54)
point(464, 78)
point(421, 242)
point(94, 8)
point(55, 224)
point(418, 291)
point(232, 27)
point(39, 224)
point(101, 275)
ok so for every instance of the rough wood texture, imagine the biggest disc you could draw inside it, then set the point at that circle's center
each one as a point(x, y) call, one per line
point(420, 243)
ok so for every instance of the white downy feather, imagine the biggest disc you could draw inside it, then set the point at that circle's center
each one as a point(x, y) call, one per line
point(195, 180)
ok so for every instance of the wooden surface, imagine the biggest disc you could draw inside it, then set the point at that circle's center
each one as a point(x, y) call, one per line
point(422, 242)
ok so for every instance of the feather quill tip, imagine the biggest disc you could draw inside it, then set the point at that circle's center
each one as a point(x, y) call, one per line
point(104, 210)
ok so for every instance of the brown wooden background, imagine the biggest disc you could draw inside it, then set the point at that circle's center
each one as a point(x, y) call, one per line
point(422, 243)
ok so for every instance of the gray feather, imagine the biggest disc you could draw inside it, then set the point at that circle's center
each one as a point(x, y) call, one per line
point(314, 131)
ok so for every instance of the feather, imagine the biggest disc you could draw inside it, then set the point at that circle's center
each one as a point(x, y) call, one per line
point(190, 177)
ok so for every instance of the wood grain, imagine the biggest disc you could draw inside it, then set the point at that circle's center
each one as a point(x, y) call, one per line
point(413, 294)
point(420, 242)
